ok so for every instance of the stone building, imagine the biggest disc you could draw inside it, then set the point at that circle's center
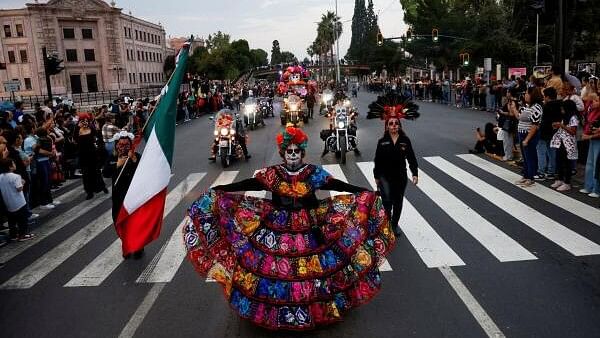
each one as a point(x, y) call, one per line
point(102, 47)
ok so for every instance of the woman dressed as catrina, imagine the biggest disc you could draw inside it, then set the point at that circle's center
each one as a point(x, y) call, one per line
point(292, 262)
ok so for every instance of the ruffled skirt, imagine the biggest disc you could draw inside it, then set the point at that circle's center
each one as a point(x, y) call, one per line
point(290, 269)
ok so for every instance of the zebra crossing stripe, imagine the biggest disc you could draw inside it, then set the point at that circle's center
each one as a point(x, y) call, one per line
point(545, 226)
point(165, 265)
point(102, 266)
point(51, 227)
point(561, 200)
point(336, 171)
point(429, 245)
point(504, 248)
point(259, 194)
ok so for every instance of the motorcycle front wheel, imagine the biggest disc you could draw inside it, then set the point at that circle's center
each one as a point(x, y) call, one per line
point(343, 149)
point(225, 161)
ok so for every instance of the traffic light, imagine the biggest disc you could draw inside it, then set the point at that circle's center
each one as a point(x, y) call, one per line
point(53, 65)
point(409, 36)
point(434, 35)
point(379, 39)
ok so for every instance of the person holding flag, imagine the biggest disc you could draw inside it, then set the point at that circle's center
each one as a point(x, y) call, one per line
point(139, 218)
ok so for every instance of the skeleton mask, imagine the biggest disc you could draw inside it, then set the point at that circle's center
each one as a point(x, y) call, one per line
point(123, 146)
point(293, 156)
point(295, 78)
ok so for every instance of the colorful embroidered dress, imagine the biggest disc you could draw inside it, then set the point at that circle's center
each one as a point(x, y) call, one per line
point(292, 262)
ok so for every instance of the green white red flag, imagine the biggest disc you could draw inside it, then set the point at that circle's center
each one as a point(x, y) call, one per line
point(140, 218)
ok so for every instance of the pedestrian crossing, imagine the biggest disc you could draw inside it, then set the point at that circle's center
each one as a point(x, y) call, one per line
point(428, 239)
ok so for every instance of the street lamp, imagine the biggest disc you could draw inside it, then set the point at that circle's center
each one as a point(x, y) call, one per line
point(379, 39)
point(409, 34)
point(434, 35)
point(465, 57)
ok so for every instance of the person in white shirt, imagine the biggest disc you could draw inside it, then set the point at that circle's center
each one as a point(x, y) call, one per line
point(11, 189)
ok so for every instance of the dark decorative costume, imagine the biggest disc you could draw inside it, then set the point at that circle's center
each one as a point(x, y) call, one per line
point(292, 262)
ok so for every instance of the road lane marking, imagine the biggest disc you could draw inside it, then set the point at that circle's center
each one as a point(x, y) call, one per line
point(478, 312)
point(258, 194)
point(53, 225)
point(545, 226)
point(336, 171)
point(173, 253)
point(504, 248)
point(102, 266)
point(578, 208)
point(429, 245)
point(142, 311)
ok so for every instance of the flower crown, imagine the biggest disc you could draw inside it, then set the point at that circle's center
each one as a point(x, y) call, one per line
point(292, 135)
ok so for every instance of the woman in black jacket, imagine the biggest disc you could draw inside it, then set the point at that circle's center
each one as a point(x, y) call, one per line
point(393, 150)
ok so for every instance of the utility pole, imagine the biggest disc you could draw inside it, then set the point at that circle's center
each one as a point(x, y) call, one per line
point(337, 43)
point(537, 36)
point(560, 57)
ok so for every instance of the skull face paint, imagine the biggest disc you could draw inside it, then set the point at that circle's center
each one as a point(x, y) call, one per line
point(293, 156)
point(123, 146)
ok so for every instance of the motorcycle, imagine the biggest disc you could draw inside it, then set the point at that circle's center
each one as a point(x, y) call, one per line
point(293, 112)
point(342, 132)
point(226, 147)
point(252, 116)
point(266, 107)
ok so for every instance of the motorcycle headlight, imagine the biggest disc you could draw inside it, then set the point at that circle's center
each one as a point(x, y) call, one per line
point(293, 107)
point(341, 125)
point(346, 102)
point(232, 131)
point(216, 133)
point(224, 131)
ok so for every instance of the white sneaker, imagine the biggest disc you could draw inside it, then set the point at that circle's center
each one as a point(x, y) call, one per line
point(34, 216)
point(557, 184)
point(564, 187)
point(594, 195)
point(56, 202)
point(584, 191)
point(48, 206)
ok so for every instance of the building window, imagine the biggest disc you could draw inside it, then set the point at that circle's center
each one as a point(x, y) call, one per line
point(27, 83)
point(11, 57)
point(145, 77)
point(139, 58)
point(89, 55)
point(140, 74)
point(19, 30)
point(7, 31)
point(125, 31)
point(136, 35)
point(23, 55)
point(71, 55)
point(69, 33)
point(75, 83)
point(86, 33)
point(92, 83)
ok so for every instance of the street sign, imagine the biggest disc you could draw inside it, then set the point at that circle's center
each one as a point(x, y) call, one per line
point(12, 85)
point(487, 64)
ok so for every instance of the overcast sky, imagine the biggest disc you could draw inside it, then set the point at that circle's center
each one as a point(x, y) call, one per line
point(292, 22)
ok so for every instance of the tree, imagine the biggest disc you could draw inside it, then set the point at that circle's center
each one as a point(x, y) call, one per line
point(359, 31)
point(169, 65)
point(288, 57)
point(218, 40)
point(259, 57)
point(275, 53)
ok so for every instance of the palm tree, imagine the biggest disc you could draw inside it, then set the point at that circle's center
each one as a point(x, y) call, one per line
point(326, 36)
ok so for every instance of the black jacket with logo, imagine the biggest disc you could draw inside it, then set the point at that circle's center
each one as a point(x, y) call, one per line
point(390, 158)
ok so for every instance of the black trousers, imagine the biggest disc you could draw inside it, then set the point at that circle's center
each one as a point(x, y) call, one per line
point(563, 165)
point(392, 195)
point(17, 222)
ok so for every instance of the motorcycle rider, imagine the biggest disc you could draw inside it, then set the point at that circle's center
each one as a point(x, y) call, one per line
point(352, 128)
point(310, 103)
point(240, 137)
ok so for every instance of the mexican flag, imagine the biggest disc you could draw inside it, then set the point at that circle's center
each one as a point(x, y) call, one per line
point(140, 218)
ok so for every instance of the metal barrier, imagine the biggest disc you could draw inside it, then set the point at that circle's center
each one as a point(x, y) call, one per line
point(93, 98)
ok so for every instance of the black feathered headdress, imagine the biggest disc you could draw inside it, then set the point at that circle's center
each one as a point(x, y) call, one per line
point(393, 106)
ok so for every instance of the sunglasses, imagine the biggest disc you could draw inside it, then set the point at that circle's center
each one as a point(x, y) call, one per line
point(393, 123)
point(293, 151)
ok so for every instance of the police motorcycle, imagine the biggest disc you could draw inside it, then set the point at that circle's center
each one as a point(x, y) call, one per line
point(341, 136)
point(265, 107)
point(326, 102)
point(293, 112)
point(225, 146)
point(252, 116)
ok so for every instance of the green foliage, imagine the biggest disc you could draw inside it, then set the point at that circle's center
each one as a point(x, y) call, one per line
point(275, 53)
point(222, 59)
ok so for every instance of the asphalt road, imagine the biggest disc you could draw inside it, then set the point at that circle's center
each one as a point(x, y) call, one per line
point(480, 257)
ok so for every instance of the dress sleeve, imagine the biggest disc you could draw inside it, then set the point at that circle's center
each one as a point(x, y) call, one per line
point(337, 185)
point(412, 159)
point(250, 184)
